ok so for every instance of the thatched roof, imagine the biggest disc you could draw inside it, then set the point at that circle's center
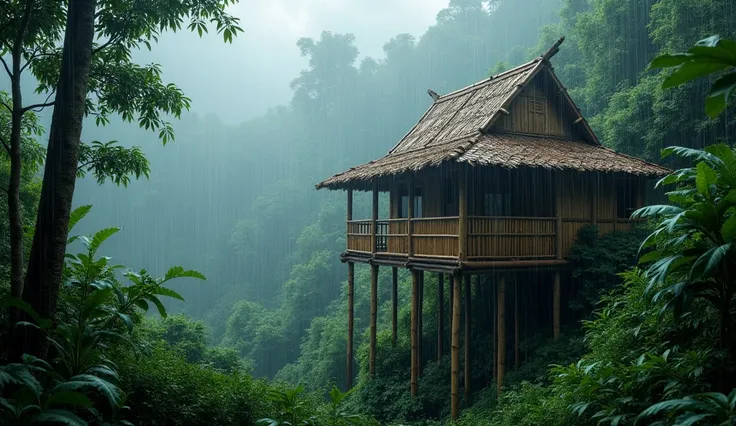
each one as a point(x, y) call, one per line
point(456, 128)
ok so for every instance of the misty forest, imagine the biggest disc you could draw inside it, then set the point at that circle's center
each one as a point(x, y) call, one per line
point(217, 212)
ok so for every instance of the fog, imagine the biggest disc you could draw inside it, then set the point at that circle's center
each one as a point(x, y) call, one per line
point(314, 87)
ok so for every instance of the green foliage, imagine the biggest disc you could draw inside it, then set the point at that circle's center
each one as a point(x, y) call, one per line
point(163, 388)
point(111, 161)
point(97, 313)
point(714, 408)
point(597, 261)
point(708, 56)
point(693, 251)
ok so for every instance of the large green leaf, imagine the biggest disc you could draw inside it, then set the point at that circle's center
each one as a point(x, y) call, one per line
point(707, 263)
point(100, 237)
point(78, 214)
point(104, 387)
point(693, 154)
point(728, 230)
point(706, 177)
point(717, 99)
point(59, 417)
point(179, 272)
point(163, 291)
point(656, 210)
point(690, 71)
point(159, 306)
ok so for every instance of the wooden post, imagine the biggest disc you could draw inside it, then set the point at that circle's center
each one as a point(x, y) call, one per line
point(409, 217)
point(516, 322)
point(440, 314)
point(374, 218)
point(420, 324)
point(463, 215)
point(467, 340)
point(455, 352)
point(556, 306)
point(501, 312)
point(351, 321)
point(349, 217)
point(494, 327)
point(374, 309)
point(558, 214)
point(413, 332)
point(394, 304)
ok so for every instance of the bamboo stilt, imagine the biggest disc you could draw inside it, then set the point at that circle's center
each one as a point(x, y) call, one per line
point(440, 314)
point(414, 339)
point(374, 309)
point(394, 304)
point(516, 323)
point(556, 307)
point(467, 340)
point(501, 312)
point(455, 352)
point(420, 324)
point(351, 322)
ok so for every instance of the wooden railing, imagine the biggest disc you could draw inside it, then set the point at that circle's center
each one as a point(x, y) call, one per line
point(489, 238)
point(435, 236)
point(510, 237)
point(359, 236)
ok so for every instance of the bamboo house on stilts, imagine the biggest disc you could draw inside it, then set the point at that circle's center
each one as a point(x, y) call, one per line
point(495, 178)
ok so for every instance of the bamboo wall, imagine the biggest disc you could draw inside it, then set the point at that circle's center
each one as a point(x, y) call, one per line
point(528, 229)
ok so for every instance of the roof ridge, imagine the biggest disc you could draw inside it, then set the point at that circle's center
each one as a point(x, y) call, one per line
point(480, 83)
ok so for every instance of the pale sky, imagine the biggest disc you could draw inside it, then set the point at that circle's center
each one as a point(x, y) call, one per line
point(241, 80)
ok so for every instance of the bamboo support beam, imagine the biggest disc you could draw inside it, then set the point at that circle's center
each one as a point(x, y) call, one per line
point(351, 322)
point(556, 306)
point(374, 218)
point(440, 315)
point(420, 323)
point(467, 340)
point(516, 322)
point(374, 309)
point(455, 352)
point(463, 215)
point(501, 320)
point(558, 215)
point(349, 217)
point(394, 304)
point(413, 332)
point(409, 217)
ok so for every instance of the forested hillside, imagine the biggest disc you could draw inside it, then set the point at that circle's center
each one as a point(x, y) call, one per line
point(237, 204)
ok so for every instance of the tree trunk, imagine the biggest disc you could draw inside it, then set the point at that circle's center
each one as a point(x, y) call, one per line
point(15, 219)
point(52, 224)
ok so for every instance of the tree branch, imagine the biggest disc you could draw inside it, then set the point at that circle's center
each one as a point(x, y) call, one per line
point(41, 106)
point(7, 69)
point(5, 145)
point(6, 106)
